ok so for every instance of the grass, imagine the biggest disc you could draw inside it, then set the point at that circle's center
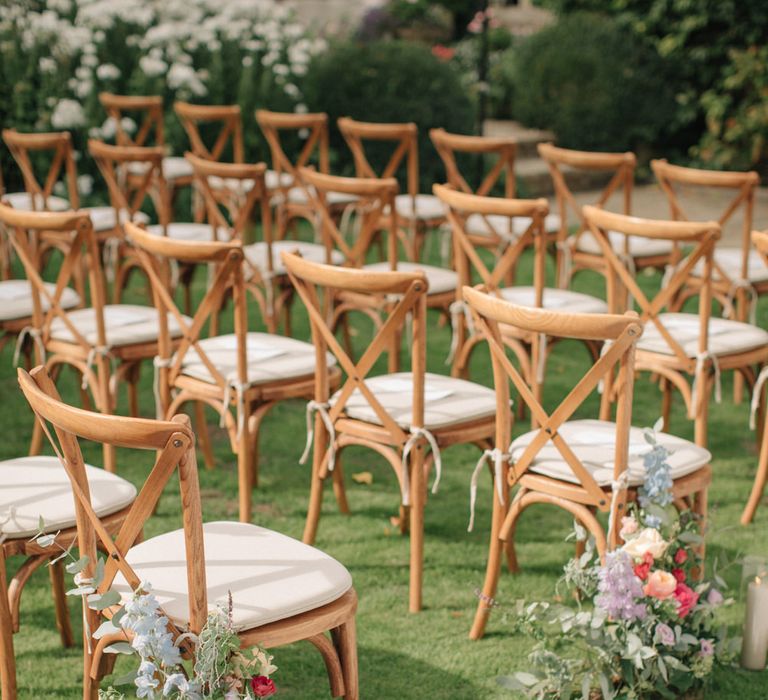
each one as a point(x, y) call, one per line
point(401, 656)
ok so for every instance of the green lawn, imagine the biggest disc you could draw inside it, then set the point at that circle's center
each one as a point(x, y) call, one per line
point(402, 656)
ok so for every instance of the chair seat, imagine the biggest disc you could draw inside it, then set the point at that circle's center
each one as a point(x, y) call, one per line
point(187, 231)
point(124, 324)
point(506, 227)
point(16, 299)
point(593, 442)
point(104, 218)
point(639, 247)
point(270, 358)
point(256, 254)
point(440, 280)
point(729, 260)
point(297, 195)
point(447, 401)
point(271, 576)
point(23, 201)
point(556, 299)
point(725, 336)
point(274, 179)
point(174, 168)
point(424, 207)
point(39, 486)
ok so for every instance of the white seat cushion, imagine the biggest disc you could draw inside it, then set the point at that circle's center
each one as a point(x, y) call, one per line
point(16, 299)
point(104, 218)
point(124, 324)
point(593, 442)
point(256, 254)
point(423, 206)
point(174, 167)
point(23, 201)
point(270, 576)
point(725, 336)
point(638, 246)
point(556, 300)
point(273, 179)
point(478, 225)
point(297, 195)
point(184, 231)
point(440, 280)
point(270, 358)
point(39, 486)
point(447, 400)
point(729, 260)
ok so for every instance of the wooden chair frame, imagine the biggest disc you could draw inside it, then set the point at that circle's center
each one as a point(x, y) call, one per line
point(408, 291)
point(174, 444)
point(191, 116)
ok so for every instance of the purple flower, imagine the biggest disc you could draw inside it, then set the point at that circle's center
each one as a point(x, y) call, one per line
point(664, 634)
point(714, 597)
point(707, 648)
point(619, 588)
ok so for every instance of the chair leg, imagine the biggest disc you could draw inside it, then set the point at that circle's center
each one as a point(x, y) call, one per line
point(666, 402)
point(759, 486)
point(338, 486)
point(56, 573)
point(346, 645)
point(319, 460)
point(203, 436)
point(244, 471)
point(418, 499)
point(7, 659)
point(132, 377)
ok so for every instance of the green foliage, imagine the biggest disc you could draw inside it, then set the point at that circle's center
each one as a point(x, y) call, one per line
point(394, 81)
point(595, 84)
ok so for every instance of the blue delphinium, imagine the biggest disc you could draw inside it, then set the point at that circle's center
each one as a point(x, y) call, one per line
point(657, 489)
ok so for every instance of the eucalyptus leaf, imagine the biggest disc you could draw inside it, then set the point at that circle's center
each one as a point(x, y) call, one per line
point(104, 600)
point(119, 648)
point(104, 629)
point(45, 540)
point(76, 567)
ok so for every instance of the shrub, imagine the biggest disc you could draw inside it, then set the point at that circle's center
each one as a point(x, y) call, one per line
point(596, 85)
point(393, 81)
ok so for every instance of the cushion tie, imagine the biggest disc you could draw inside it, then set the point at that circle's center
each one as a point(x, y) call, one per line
point(233, 382)
point(730, 299)
point(498, 458)
point(762, 378)
point(103, 351)
point(417, 433)
point(111, 254)
point(456, 309)
point(566, 261)
point(36, 335)
point(321, 407)
point(617, 487)
point(701, 358)
point(157, 364)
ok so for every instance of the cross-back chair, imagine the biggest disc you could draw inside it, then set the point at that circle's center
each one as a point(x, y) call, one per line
point(581, 251)
point(676, 345)
point(417, 213)
point(88, 339)
point(580, 465)
point(249, 371)
point(397, 414)
point(374, 198)
point(530, 351)
point(282, 591)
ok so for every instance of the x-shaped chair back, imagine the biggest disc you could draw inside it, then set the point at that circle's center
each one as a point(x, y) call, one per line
point(673, 178)
point(408, 294)
point(231, 129)
point(148, 107)
point(622, 331)
point(174, 444)
point(75, 238)
point(621, 164)
point(154, 253)
point(58, 146)
point(373, 197)
point(700, 239)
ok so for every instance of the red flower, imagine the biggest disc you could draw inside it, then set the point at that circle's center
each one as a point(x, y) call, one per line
point(686, 599)
point(679, 574)
point(681, 556)
point(262, 686)
point(444, 53)
point(642, 570)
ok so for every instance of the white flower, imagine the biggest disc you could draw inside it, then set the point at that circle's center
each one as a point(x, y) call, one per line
point(152, 66)
point(181, 76)
point(648, 540)
point(128, 125)
point(281, 69)
point(107, 71)
point(247, 61)
point(89, 60)
point(68, 114)
point(47, 65)
point(85, 184)
point(291, 90)
point(84, 88)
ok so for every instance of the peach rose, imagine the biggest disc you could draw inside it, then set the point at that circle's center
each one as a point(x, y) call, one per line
point(661, 585)
point(648, 540)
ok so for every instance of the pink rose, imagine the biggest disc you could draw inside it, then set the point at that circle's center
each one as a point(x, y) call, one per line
point(681, 556)
point(642, 570)
point(661, 585)
point(686, 599)
point(679, 575)
point(628, 527)
point(262, 686)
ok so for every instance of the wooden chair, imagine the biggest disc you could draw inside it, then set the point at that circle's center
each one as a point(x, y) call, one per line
point(250, 371)
point(290, 195)
point(417, 212)
point(579, 465)
point(760, 241)
point(493, 232)
point(396, 414)
point(282, 591)
point(530, 351)
point(677, 345)
point(86, 339)
point(581, 251)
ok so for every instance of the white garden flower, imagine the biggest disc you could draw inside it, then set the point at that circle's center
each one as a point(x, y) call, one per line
point(90, 60)
point(108, 71)
point(84, 88)
point(152, 66)
point(85, 184)
point(648, 540)
point(247, 61)
point(46, 64)
point(68, 114)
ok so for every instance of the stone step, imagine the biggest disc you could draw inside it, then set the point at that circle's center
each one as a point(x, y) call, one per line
point(534, 180)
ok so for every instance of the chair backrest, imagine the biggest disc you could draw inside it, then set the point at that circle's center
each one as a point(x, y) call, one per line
point(373, 196)
point(699, 238)
point(501, 151)
point(226, 118)
point(407, 290)
point(469, 263)
point(674, 179)
point(127, 194)
point(622, 165)
point(174, 444)
point(75, 238)
point(58, 145)
point(148, 107)
point(622, 333)
point(155, 252)
point(405, 140)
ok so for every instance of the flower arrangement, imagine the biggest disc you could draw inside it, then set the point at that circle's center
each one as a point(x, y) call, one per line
point(221, 669)
point(651, 629)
